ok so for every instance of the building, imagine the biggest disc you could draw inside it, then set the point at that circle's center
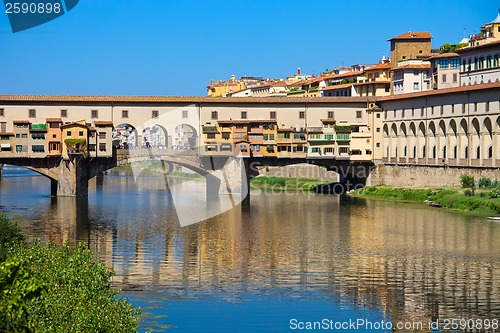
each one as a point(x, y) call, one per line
point(410, 46)
point(411, 76)
point(377, 80)
point(37, 140)
point(341, 85)
point(21, 139)
point(76, 139)
point(445, 70)
point(490, 32)
point(54, 137)
point(104, 134)
point(480, 64)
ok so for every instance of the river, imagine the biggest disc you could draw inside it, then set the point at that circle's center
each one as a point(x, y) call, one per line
point(294, 261)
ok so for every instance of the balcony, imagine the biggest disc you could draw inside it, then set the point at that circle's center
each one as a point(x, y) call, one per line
point(315, 129)
point(209, 129)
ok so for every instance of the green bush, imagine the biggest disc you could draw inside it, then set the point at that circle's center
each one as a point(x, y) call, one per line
point(470, 192)
point(466, 181)
point(77, 294)
point(484, 182)
point(494, 193)
point(10, 236)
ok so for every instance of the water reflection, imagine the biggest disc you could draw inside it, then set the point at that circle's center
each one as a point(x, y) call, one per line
point(409, 262)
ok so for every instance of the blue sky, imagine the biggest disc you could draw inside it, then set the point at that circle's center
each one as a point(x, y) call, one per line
point(164, 47)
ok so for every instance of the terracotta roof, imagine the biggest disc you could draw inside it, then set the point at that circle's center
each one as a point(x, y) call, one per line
point(413, 66)
point(6, 134)
point(175, 99)
point(413, 35)
point(53, 120)
point(384, 65)
point(21, 122)
point(351, 73)
point(444, 55)
point(461, 89)
point(338, 86)
point(74, 124)
point(103, 123)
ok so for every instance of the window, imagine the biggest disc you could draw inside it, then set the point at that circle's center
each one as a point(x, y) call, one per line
point(64, 113)
point(475, 107)
point(32, 113)
point(243, 147)
point(226, 147)
point(453, 108)
point(442, 109)
point(102, 147)
point(3, 127)
point(463, 108)
point(359, 114)
point(243, 115)
point(226, 135)
point(38, 136)
point(455, 77)
point(487, 106)
point(24, 136)
point(124, 113)
point(378, 115)
point(19, 148)
point(102, 135)
point(210, 135)
point(38, 148)
point(329, 150)
point(378, 129)
point(215, 115)
point(154, 114)
point(94, 114)
point(54, 136)
point(80, 133)
point(255, 147)
point(184, 113)
point(2, 113)
point(18, 136)
point(378, 144)
point(443, 78)
point(443, 64)
point(302, 114)
point(68, 133)
point(330, 115)
point(272, 115)
point(266, 137)
point(343, 150)
point(416, 86)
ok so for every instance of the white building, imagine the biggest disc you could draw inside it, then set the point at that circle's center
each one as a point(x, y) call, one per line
point(411, 76)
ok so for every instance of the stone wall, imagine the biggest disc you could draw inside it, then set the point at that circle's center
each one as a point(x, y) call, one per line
point(415, 176)
point(300, 171)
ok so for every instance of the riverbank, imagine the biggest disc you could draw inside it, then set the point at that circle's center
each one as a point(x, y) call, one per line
point(286, 184)
point(485, 201)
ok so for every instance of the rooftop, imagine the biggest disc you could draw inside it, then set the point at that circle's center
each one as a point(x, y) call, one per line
point(413, 35)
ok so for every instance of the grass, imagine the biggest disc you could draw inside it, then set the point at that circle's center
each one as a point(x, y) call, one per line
point(451, 198)
point(299, 184)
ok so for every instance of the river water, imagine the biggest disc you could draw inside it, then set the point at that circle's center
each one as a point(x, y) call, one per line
point(294, 260)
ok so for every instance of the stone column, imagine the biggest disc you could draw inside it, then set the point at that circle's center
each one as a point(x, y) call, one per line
point(73, 177)
point(494, 147)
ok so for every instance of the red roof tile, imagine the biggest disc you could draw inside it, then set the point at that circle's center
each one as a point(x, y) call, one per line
point(103, 123)
point(413, 35)
point(21, 122)
point(53, 120)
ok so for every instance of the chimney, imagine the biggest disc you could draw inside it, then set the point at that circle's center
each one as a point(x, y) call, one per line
point(298, 71)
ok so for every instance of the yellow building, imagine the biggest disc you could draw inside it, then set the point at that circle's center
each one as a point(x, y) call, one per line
point(490, 32)
point(75, 139)
point(377, 80)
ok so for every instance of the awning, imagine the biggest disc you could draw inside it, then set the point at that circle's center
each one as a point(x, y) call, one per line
point(5, 145)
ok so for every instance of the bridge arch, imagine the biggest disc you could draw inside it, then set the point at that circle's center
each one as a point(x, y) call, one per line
point(125, 136)
point(185, 137)
point(155, 136)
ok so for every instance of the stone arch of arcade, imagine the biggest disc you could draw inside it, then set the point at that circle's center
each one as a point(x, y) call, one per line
point(167, 128)
point(460, 140)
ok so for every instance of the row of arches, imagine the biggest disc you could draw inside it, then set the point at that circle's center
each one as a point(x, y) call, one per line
point(127, 136)
point(460, 141)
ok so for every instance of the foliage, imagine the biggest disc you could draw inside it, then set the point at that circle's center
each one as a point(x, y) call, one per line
point(306, 184)
point(484, 182)
point(10, 236)
point(448, 197)
point(77, 145)
point(53, 288)
point(466, 181)
point(340, 128)
point(470, 192)
point(18, 289)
